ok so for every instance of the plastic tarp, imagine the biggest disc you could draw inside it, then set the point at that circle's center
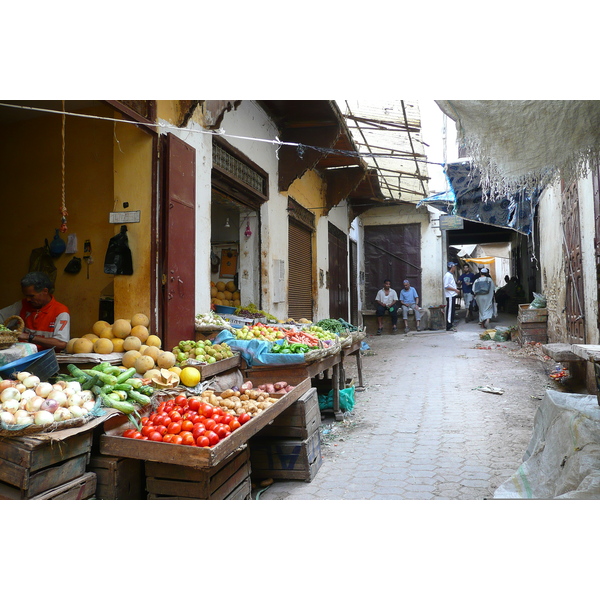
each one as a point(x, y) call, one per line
point(562, 460)
point(256, 352)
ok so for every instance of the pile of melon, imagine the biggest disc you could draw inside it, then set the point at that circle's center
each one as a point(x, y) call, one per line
point(141, 349)
point(225, 294)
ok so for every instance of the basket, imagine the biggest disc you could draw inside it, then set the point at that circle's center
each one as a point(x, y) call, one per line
point(44, 364)
point(20, 431)
point(8, 338)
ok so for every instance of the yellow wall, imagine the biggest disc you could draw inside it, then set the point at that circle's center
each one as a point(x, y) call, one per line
point(309, 191)
point(31, 194)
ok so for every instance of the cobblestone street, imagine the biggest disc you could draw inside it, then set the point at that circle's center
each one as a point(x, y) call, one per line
point(420, 430)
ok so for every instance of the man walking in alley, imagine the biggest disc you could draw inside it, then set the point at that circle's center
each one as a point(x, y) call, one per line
point(450, 291)
point(409, 298)
point(466, 281)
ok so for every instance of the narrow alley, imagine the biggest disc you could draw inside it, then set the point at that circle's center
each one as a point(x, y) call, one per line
point(420, 430)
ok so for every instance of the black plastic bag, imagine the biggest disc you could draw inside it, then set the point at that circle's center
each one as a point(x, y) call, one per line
point(118, 259)
point(41, 260)
point(73, 266)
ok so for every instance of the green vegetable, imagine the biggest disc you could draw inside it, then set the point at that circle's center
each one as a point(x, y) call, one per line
point(136, 396)
point(78, 373)
point(125, 375)
point(122, 405)
point(104, 377)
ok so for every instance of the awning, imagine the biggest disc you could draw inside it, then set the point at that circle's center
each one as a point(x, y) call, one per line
point(512, 212)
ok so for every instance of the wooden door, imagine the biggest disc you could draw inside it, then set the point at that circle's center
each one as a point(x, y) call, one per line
point(179, 227)
point(353, 280)
point(392, 252)
point(338, 274)
point(573, 265)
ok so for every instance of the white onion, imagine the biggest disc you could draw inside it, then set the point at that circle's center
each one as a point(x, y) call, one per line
point(43, 417)
point(89, 405)
point(28, 393)
point(60, 385)
point(60, 397)
point(25, 419)
point(6, 383)
point(21, 413)
point(73, 385)
point(76, 411)
point(31, 381)
point(62, 414)
point(43, 389)
point(20, 387)
point(68, 392)
point(7, 418)
point(49, 404)
point(23, 375)
point(34, 404)
point(10, 393)
point(88, 396)
point(11, 406)
point(75, 400)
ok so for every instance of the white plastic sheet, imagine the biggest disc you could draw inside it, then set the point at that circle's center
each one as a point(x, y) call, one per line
point(562, 460)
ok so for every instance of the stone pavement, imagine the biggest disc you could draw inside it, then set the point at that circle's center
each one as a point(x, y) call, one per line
point(419, 430)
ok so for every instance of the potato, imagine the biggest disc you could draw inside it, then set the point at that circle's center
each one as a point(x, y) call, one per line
point(226, 393)
point(280, 385)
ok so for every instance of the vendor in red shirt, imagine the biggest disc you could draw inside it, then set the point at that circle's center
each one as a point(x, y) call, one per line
point(47, 321)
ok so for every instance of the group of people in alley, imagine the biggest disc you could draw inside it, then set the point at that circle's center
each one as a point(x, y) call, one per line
point(477, 288)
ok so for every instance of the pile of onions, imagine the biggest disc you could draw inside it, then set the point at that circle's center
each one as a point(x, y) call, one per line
point(29, 401)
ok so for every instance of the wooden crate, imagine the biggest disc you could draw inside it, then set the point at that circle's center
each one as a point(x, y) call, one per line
point(82, 488)
point(300, 420)
point(532, 332)
point(33, 465)
point(230, 480)
point(118, 478)
point(532, 315)
point(281, 458)
point(112, 443)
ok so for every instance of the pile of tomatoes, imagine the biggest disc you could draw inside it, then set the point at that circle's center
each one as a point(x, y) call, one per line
point(189, 422)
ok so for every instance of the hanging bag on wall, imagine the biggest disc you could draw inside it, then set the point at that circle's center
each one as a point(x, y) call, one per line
point(73, 266)
point(41, 260)
point(118, 259)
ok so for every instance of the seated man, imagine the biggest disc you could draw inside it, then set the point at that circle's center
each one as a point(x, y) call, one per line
point(386, 300)
point(409, 298)
point(47, 321)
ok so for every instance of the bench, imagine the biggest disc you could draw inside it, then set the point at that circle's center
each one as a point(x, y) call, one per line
point(369, 319)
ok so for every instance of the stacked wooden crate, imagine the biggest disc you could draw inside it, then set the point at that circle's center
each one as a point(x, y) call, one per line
point(118, 478)
point(532, 325)
point(47, 467)
point(290, 446)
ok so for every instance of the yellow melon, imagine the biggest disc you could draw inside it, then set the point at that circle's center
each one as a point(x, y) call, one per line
point(152, 373)
point(69, 348)
point(153, 340)
point(129, 358)
point(213, 292)
point(230, 286)
point(236, 303)
point(83, 346)
point(131, 343)
point(140, 319)
point(121, 328)
point(90, 336)
point(221, 286)
point(141, 332)
point(166, 360)
point(99, 326)
point(117, 344)
point(152, 351)
point(236, 295)
point(228, 295)
point(176, 370)
point(221, 295)
point(144, 363)
point(107, 333)
point(103, 346)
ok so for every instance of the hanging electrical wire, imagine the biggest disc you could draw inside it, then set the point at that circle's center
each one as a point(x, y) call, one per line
point(63, 208)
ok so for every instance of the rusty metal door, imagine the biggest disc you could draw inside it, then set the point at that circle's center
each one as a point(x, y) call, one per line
point(392, 252)
point(300, 293)
point(179, 226)
point(338, 274)
point(573, 264)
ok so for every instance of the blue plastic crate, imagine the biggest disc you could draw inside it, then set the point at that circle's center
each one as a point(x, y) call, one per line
point(43, 364)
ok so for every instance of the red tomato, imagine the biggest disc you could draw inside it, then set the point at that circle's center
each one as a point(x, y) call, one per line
point(198, 428)
point(187, 435)
point(208, 410)
point(226, 419)
point(222, 432)
point(160, 429)
point(164, 420)
point(202, 441)
point(145, 420)
point(213, 438)
point(243, 418)
point(137, 436)
point(187, 426)
point(169, 404)
point(189, 441)
point(167, 437)
point(181, 400)
point(210, 424)
point(175, 415)
point(161, 407)
point(174, 428)
point(234, 424)
point(217, 418)
point(194, 403)
point(129, 433)
point(155, 437)
point(197, 419)
point(188, 414)
point(176, 439)
point(147, 430)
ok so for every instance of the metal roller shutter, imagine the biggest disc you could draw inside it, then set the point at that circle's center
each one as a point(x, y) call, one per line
point(300, 303)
